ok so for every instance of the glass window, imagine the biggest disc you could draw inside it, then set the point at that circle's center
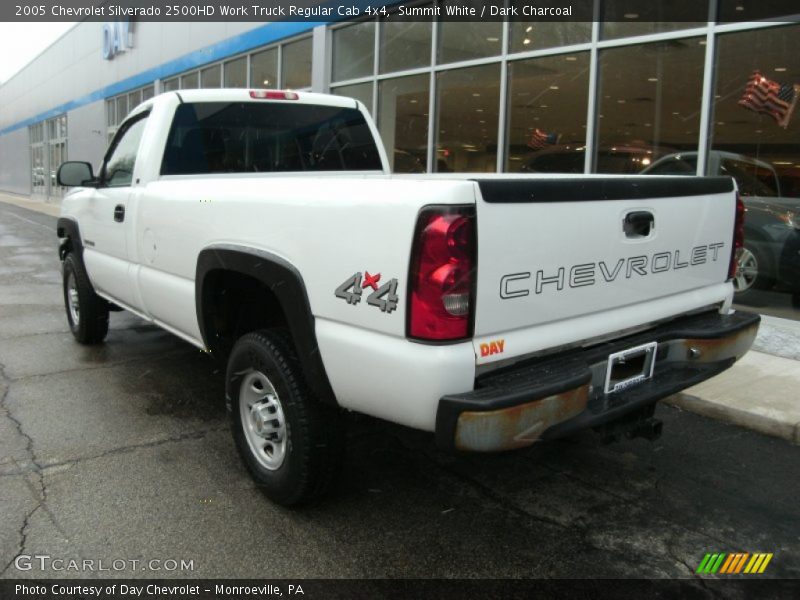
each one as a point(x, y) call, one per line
point(264, 69)
point(403, 122)
point(118, 169)
point(170, 85)
point(649, 103)
point(122, 108)
point(547, 103)
point(756, 140)
point(221, 137)
point(359, 91)
point(296, 67)
point(757, 115)
point(624, 18)
point(134, 99)
point(353, 51)
point(190, 81)
point(741, 10)
point(148, 92)
point(236, 73)
point(404, 45)
point(465, 41)
point(529, 35)
point(111, 113)
point(467, 107)
point(211, 77)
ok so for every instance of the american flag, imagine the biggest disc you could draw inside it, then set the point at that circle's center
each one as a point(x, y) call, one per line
point(763, 95)
point(539, 139)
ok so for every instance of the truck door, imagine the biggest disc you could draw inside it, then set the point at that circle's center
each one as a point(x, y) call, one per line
point(107, 227)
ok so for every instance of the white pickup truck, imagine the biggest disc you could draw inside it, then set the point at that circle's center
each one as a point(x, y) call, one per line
point(494, 310)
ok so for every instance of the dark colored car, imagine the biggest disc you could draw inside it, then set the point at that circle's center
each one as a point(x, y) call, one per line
point(771, 254)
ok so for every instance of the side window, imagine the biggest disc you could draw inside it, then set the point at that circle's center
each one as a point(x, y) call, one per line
point(121, 158)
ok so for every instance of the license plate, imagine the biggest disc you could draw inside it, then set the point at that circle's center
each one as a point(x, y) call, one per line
point(630, 367)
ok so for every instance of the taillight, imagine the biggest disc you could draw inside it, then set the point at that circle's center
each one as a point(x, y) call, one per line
point(441, 295)
point(273, 95)
point(738, 237)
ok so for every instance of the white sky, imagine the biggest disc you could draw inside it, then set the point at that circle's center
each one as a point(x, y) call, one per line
point(20, 43)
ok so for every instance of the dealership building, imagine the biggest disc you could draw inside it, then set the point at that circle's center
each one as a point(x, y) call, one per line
point(641, 93)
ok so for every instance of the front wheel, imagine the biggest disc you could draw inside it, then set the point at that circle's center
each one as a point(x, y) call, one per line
point(290, 442)
point(87, 313)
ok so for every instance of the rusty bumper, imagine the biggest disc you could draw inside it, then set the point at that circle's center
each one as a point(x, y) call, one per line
point(551, 397)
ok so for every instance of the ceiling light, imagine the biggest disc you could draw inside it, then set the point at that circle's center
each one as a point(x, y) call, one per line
point(676, 113)
point(720, 122)
point(553, 87)
point(620, 101)
point(780, 69)
point(740, 8)
point(543, 106)
point(492, 39)
point(476, 94)
point(571, 58)
point(652, 79)
point(782, 162)
point(526, 41)
point(759, 131)
point(266, 82)
point(702, 42)
point(413, 101)
point(631, 15)
point(529, 28)
point(478, 110)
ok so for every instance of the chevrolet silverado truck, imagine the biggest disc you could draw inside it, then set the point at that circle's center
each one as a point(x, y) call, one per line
point(494, 311)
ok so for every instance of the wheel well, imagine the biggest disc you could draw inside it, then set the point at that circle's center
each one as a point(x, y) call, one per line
point(234, 304)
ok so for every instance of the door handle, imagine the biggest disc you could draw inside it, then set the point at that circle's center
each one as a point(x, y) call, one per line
point(638, 224)
point(119, 213)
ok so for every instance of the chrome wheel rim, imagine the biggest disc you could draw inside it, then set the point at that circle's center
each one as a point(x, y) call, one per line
point(746, 270)
point(262, 420)
point(73, 301)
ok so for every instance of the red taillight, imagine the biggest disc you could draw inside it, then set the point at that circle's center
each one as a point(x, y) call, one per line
point(273, 95)
point(441, 297)
point(738, 237)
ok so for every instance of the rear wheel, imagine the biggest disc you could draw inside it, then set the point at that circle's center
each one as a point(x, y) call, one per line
point(87, 313)
point(290, 442)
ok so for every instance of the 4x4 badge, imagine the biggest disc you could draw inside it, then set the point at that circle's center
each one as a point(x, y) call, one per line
point(383, 297)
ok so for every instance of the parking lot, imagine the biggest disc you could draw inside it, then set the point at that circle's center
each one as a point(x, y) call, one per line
point(123, 451)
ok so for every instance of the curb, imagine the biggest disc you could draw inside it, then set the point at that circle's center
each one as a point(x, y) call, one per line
point(756, 422)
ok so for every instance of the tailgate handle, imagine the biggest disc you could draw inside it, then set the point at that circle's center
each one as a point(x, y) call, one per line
point(638, 224)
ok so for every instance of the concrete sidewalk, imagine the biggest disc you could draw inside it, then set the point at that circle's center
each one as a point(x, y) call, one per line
point(761, 392)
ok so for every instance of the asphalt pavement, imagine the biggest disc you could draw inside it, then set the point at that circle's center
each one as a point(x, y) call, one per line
point(123, 452)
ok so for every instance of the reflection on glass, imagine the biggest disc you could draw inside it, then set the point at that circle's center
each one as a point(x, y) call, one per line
point(649, 103)
point(148, 93)
point(170, 85)
point(756, 140)
point(740, 10)
point(360, 91)
point(465, 41)
point(547, 104)
point(404, 45)
point(467, 113)
point(297, 64)
point(403, 122)
point(190, 81)
point(353, 51)
point(122, 108)
point(134, 99)
point(211, 77)
point(264, 69)
point(236, 73)
point(623, 18)
point(526, 35)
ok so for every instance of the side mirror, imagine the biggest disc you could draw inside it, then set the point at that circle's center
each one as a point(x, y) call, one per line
point(75, 174)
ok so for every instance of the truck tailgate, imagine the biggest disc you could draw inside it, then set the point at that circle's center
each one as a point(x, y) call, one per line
point(565, 252)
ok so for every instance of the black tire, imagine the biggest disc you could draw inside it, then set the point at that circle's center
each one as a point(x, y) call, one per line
point(757, 267)
point(302, 468)
point(88, 321)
